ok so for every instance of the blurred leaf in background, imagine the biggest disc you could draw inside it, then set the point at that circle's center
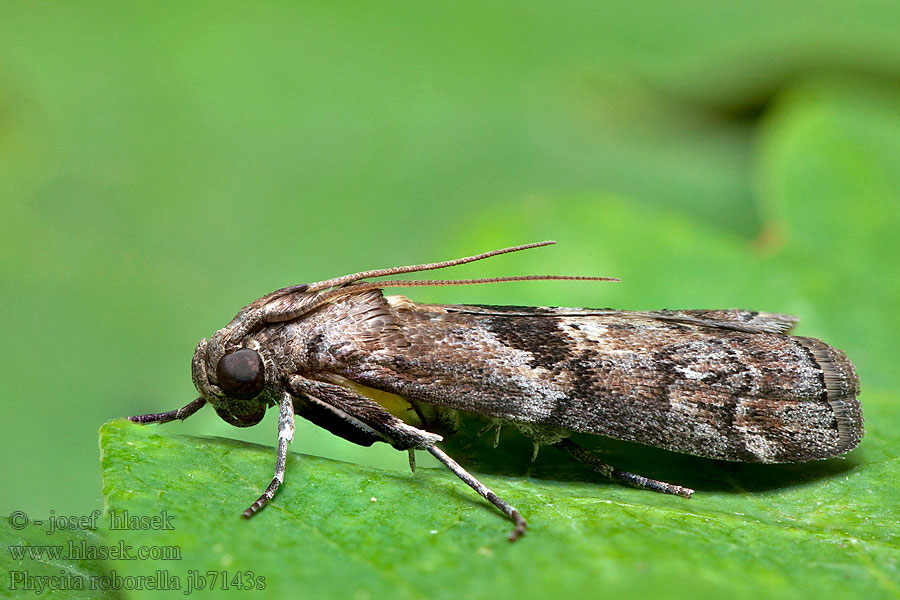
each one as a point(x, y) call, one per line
point(162, 164)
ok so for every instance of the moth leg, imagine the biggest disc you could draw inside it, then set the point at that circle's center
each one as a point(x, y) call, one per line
point(371, 417)
point(164, 417)
point(632, 479)
point(508, 509)
point(285, 435)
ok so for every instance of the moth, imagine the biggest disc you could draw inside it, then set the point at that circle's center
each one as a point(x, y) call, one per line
point(725, 384)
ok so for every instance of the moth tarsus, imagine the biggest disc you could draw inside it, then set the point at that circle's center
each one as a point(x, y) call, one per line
point(630, 479)
point(484, 491)
point(725, 384)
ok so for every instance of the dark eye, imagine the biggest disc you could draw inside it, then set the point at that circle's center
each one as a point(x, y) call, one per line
point(241, 374)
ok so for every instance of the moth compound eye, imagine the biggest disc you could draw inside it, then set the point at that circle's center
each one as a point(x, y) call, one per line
point(241, 374)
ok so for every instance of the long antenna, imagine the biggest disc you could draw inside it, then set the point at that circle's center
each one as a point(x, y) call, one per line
point(394, 283)
point(338, 287)
point(321, 285)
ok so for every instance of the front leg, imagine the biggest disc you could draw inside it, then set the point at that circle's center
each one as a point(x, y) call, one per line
point(285, 435)
point(179, 413)
point(362, 414)
point(373, 420)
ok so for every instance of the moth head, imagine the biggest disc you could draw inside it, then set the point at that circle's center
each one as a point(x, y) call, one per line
point(233, 381)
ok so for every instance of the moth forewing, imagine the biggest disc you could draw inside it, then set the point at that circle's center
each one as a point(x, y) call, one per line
point(716, 384)
point(726, 384)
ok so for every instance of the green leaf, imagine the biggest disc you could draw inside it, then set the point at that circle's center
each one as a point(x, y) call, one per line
point(340, 530)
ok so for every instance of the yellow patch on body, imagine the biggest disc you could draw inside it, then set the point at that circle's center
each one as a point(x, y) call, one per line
point(398, 406)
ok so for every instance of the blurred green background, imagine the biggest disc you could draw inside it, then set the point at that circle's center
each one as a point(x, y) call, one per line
point(163, 164)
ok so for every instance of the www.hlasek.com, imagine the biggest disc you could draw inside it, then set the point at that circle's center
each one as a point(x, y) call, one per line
point(82, 550)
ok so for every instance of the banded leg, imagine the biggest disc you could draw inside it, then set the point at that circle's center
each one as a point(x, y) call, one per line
point(285, 435)
point(508, 509)
point(638, 481)
point(179, 413)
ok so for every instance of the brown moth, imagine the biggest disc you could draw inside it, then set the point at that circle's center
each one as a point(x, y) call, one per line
point(725, 384)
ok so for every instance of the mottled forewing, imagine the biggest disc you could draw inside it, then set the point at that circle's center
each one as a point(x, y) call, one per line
point(722, 384)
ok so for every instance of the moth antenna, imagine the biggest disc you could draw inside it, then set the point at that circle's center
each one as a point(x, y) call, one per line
point(441, 282)
point(377, 285)
point(339, 291)
point(321, 285)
